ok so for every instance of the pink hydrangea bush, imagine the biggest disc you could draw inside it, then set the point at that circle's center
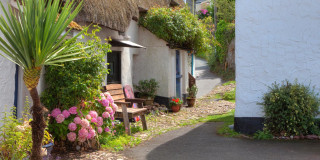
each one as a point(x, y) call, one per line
point(87, 120)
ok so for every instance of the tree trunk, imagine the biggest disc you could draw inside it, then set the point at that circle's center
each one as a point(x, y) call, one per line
point(38, 125)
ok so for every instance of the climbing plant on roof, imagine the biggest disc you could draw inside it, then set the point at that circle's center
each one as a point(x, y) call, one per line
point(179, 27)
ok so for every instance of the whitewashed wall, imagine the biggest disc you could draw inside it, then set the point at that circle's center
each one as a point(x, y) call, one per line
point(7, 78)
point(276, 40)
point(153, 62)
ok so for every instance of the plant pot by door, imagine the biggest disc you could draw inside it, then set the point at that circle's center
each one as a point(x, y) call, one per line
point(191, 102)
point(175, 108)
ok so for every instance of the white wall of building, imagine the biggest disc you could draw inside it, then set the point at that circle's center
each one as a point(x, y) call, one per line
point(7, 78)
point(275, 40)
point(153, 62)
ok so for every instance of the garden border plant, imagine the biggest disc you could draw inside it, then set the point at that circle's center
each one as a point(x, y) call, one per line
point(290, 109)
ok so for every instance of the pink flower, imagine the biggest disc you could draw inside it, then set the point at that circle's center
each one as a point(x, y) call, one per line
point(112, 123)
point(85, 123)
point(107, 129)
point(105, 115)
point(101, 95)
point(82, 139)
point(83, 133)
point(99, 130)
point(109, 109)
point(93, 114)
point(204, 11)
point(92, 133)
point(114, 106)
point(65, 113)
point(73, 110)
point(88, 117)
point(72, 136)
point(55, 112)
point(106, 94)
point(110, 99)
point(105, 102)
point(99, 121)
point(60, 118)
point(77, 120)
point(72, 126)
point(112, 118)
point(94, 120)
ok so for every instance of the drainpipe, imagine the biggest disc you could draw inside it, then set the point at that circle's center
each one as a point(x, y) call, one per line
point(16, 82)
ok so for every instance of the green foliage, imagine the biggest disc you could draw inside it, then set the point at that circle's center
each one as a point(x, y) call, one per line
point(290, 109)
point(16, 135)
point(224, 35)
point(225, 10)
point(77, 81)
point(193, 91)
point(231, 95)
point(33, 38)
point(175, 101)
point(228, 83)
point(179, 27)
point(120, 140)
point(147, 88)
point(262, 135)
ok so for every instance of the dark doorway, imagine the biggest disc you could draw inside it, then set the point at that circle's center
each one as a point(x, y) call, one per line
point(114, 60)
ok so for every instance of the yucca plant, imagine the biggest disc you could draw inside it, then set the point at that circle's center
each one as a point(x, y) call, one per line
point(32, 39)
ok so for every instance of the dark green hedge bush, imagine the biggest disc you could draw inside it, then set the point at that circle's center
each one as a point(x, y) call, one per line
point(290, 109)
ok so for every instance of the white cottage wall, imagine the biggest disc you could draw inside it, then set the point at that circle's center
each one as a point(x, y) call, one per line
point(7, 78)
point(276, 40)
point(153, 62)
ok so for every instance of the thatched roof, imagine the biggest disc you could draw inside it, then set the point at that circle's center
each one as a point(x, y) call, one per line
point(117, 14)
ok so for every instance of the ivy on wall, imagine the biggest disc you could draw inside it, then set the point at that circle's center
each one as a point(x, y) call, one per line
point(179, 27)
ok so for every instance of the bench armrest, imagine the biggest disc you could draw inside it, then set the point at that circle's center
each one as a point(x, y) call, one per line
point(120, 103)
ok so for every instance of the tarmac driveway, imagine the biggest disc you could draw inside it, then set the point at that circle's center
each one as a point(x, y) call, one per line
point(200, 142)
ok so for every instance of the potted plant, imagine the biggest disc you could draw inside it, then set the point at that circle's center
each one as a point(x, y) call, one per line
point(191, 99)
point(147, 90)
point(175, 104)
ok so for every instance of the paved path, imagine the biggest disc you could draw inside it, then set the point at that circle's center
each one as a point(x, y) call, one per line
point(200, 142)
point(205, 79)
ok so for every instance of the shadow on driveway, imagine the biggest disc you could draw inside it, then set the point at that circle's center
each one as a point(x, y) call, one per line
point(200, 142)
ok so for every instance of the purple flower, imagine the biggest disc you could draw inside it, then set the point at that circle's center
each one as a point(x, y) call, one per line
point(72, 136)
point(77, 120)
point(60, 118)
point(66, 113)
point(73, 110)
point(55, 112)
point(72, 126)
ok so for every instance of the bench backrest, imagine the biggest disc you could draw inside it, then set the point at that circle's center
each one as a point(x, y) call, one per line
point(116, 92)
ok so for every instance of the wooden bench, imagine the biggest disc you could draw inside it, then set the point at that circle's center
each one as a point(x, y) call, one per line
point(125, 111)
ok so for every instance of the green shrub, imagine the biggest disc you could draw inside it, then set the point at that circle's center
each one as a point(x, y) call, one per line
point(262, 135)
point(290, 109)
point(231, 95)
point(79, 80)
point(179, 27)
point(147, 88)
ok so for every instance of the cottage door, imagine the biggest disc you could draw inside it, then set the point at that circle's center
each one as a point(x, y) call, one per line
point(178, 74)
point(114, 60)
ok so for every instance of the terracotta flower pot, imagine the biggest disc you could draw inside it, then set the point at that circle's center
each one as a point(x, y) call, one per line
point(176, 108)
point(191, 102)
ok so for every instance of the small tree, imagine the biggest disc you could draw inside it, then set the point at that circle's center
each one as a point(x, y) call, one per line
point(32, 40)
